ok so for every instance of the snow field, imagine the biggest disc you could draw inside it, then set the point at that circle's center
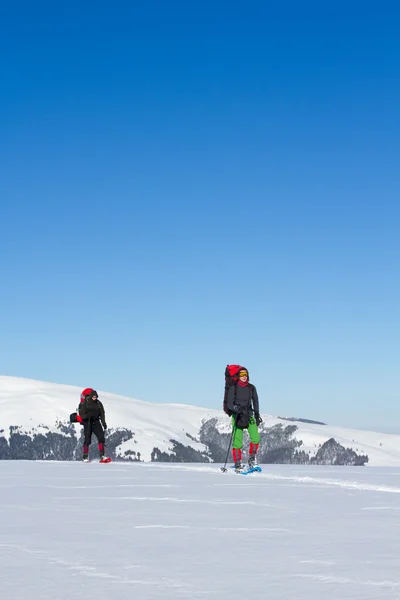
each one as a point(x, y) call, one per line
point(162, 531)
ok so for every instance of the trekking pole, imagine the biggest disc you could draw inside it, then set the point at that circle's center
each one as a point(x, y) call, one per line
point(224, 469)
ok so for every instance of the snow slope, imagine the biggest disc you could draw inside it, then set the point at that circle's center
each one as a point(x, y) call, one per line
point(31, 403)
point(167, 532)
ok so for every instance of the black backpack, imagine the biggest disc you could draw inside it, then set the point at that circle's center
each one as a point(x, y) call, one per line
point(231, 378)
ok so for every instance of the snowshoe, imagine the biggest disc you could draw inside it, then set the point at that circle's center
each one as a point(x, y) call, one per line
point(239, 467)
point(255, 469)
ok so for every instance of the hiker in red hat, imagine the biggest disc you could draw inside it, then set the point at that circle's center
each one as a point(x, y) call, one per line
point(92, 416)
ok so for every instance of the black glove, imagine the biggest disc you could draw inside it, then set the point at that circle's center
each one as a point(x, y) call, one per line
point(258, 419)
point(104, 426)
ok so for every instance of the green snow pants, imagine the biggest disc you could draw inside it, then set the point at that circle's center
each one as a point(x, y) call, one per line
point(253, 433)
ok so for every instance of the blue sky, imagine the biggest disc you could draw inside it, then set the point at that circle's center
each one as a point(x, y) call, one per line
point(186, 185)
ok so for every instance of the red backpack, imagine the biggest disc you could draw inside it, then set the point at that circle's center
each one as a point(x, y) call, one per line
point(231, 378)
point(85, 393)
point(74, 417)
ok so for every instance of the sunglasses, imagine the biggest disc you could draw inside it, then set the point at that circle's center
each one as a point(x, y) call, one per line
point(243, 374)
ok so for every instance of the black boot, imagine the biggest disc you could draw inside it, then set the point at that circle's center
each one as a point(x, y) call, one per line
point(252, 461)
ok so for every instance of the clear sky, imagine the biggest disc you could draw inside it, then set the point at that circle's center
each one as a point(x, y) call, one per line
point(189, 184)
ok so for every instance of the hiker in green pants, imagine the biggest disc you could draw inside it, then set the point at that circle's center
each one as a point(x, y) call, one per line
point(243, 402)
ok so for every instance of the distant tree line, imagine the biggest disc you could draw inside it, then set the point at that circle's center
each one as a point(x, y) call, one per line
point(278, 446)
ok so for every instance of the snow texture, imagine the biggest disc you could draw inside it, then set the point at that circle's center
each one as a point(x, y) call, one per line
point(166, 531)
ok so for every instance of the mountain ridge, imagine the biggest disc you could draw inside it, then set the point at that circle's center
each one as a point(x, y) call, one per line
point(141, 430)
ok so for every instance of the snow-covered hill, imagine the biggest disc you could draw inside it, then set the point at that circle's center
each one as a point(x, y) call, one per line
point(31, 404)
point(33, 407)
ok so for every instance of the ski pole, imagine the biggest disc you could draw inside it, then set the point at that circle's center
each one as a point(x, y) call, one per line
point(224, 469)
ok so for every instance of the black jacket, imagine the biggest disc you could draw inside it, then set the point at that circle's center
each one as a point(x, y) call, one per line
point(245, 398)
point(92, 410)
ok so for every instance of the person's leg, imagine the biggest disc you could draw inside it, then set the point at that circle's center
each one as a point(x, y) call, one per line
point(99, 433)
point(254, 440)
point(237, 443)
point(87, 433)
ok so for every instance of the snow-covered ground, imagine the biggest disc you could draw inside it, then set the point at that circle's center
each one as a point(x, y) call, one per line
point(158, 531)
point(31, 404)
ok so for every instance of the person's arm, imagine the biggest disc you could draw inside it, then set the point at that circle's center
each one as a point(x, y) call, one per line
point(256, 406)
point(83, 413)
point(102, 415)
